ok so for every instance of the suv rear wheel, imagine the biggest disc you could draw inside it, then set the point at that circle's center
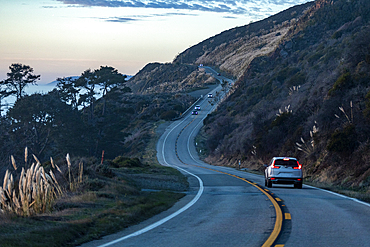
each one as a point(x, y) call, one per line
point(268, 183)
point(298, 185)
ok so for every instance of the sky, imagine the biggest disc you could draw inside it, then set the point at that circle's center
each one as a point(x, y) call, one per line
point(64, 38)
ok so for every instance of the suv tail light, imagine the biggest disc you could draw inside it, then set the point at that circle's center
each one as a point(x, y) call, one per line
point(299, 167)
point(274, 166)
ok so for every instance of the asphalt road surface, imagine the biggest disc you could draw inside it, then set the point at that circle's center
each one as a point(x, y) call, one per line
point(229, 207)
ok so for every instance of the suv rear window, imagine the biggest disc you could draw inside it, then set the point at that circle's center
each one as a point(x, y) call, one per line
point(288, 163)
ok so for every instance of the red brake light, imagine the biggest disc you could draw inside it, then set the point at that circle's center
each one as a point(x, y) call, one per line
point(274, 167)
point(299, 167)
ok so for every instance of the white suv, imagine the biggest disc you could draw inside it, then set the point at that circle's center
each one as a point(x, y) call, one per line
point(283, 170)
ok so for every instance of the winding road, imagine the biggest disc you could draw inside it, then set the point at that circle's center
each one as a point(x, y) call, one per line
point(229, 207)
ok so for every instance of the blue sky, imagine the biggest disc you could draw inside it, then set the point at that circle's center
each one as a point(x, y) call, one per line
point(63, 38)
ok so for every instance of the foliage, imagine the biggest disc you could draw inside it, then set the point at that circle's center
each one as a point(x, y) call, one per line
point(169, 115)
point(343, 140)
point(367, 109)
point(19, 77)
point(120, 161)
point(36, 190)
point(37, 122)
point(166, 78)
point(72, 117)
point(100, 206)
point(343, 82)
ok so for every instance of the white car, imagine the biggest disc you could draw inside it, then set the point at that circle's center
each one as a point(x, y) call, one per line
point(197, 107)
point(210, 95)
point(284, 170)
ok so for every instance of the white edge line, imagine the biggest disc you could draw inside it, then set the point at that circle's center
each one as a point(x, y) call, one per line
point(160, 222)
point(191, 135)
point(340, 195)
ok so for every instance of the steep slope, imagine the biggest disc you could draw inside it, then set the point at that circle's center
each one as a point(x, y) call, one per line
point(168, 78)
point(234, 49)
point(308, 98)
point(230, 52)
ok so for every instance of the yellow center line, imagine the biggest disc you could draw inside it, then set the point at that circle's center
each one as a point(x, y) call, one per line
point(279, 215)
point(288, 216)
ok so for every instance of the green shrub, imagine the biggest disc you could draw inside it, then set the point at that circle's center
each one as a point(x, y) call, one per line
point(280, 120)
point(168, 115)
point(297, 79)
point(121, 161)
point(315, 57)
point(285, 73)
point(343, 141)
point(337, 35)
point(343, 82)
point(367, 109)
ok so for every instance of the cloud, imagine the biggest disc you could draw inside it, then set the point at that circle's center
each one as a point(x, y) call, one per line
point(252, 8)
point(133, 18)
point(232, 7)
point(120, 19)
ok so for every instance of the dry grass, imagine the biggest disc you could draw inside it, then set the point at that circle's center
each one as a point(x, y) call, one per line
point(35, 190)
point(103, 204)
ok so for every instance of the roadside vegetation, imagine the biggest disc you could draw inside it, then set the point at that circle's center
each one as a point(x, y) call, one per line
point(110, 178)
point(83, 199)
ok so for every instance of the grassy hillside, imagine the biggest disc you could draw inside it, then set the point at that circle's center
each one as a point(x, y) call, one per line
point(234, 49)
point(168, 78)
point(307, 98)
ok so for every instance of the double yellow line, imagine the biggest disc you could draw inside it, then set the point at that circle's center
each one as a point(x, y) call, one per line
point(278, 211)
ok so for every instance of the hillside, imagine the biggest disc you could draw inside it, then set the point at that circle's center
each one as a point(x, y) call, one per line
point(168, 78)
point(307, 98)
point(302, 83)
point(234, 49)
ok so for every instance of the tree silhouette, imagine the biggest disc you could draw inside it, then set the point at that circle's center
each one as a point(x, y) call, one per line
point(18, 79)
point(68, 92)
point(108, 78)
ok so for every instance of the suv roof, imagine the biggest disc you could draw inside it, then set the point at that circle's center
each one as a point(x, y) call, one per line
point(277, 158)
point(285, 161)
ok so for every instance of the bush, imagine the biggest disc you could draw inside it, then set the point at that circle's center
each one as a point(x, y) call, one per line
point(343, 82)
point(297, 79)
point(367, 109)
point(121, 161)
point(168, 115)
point(343, 141)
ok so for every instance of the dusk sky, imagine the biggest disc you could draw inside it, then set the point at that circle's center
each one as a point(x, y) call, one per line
point(63, 38)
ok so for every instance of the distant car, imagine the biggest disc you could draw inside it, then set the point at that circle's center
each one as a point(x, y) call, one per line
point(194, 113)
point(197, 107)
point(218, 74)
point(210, 95)
point(283, 170)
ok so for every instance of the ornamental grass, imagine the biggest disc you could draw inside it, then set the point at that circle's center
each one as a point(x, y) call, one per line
point(35, 190)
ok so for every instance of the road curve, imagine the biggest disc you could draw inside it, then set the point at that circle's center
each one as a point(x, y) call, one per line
point(220, 209)
point(228, 207)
